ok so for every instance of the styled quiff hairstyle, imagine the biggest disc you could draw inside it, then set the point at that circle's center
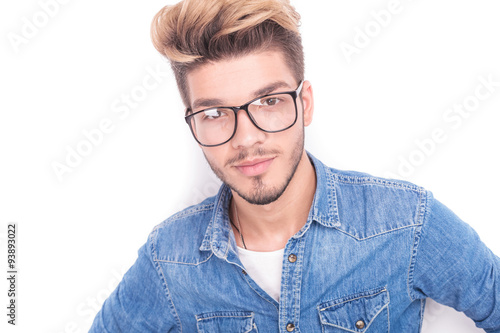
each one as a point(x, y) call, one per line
point(194, 32)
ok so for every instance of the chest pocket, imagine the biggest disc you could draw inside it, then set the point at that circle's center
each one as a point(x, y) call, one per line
point(226, 322)
point(363, 312)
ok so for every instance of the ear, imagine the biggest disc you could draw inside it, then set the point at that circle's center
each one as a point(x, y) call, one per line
point(307, 102)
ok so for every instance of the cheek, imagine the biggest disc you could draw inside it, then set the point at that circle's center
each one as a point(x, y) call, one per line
point(215, 155)
point(295, 134)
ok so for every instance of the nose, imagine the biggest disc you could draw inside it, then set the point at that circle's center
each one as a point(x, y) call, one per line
point(247, 134)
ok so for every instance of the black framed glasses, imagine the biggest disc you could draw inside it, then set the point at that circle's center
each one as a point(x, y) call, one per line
point(270, 113)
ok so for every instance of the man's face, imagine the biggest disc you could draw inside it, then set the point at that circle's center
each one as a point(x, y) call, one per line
point(256, 165)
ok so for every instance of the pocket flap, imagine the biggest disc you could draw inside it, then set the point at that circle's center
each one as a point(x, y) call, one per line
point(226, 321)
point(356, 312)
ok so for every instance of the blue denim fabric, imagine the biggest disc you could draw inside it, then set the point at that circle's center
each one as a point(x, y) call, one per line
point(371, 252)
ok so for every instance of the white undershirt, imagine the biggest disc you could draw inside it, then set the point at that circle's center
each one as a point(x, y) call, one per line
point(264, 268)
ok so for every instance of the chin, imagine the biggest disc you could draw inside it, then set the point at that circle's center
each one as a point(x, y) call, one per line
point(261, 194)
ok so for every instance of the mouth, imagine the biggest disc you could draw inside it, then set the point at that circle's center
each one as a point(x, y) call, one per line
point(254, 167)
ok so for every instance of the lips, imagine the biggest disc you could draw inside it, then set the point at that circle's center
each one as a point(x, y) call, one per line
point(254, 167)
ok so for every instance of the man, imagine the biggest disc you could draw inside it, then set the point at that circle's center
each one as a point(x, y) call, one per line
point(288, 244)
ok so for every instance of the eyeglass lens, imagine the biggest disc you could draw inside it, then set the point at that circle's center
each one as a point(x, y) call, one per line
point(270, 113)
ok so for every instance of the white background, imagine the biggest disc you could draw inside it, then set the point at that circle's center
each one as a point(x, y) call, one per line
point(79, 232)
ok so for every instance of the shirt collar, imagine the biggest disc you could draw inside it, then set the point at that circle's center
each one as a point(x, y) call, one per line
point(324, 210)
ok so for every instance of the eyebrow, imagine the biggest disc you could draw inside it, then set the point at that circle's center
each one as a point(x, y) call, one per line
point(209, 102)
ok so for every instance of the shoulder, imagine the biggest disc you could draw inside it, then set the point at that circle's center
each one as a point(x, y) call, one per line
point(351, 178)
point(179, 237)
point(370, 205)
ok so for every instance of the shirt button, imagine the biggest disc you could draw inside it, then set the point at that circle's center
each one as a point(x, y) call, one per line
point(292, 258)
point(290, 327)
point(360, 324)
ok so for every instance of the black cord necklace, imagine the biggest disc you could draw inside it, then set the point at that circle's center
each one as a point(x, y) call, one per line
point(238, 228)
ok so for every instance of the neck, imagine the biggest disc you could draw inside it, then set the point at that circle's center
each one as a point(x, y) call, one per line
point(269, 227)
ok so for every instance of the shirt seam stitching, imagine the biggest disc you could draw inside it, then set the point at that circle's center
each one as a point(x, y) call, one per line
point(379, 234)
point(371, 180)
point(184, 263)
point(423, 212)
point(164, 282)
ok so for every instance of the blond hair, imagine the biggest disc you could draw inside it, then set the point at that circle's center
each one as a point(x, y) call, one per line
point(194, 32)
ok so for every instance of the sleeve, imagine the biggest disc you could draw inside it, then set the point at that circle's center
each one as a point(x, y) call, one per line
point(455, 268)
point(140, 302)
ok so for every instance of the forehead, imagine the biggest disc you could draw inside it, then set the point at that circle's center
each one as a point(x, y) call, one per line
point(236, 80)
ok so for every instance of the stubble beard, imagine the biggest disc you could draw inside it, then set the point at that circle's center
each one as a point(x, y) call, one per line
point(261, 194)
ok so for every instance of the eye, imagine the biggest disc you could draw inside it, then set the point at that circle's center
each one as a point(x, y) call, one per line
point(213, 114)
point(269, 101)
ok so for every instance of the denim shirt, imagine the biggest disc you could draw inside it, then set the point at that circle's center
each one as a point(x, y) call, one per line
point(370, 253)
